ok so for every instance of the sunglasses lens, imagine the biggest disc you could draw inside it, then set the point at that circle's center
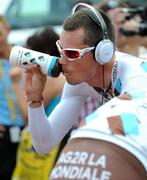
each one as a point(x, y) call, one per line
point(72, 54)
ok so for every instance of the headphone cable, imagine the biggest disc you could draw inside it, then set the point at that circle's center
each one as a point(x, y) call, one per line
point(103, 91)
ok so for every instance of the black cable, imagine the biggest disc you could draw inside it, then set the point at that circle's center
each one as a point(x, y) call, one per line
point(103, 91)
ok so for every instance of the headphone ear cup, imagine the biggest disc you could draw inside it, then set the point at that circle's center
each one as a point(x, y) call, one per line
point(104, 51)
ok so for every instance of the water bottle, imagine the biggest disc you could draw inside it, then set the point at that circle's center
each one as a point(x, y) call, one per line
point(24, 57)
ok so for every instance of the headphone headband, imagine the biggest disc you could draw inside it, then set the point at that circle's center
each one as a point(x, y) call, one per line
point(96, 16)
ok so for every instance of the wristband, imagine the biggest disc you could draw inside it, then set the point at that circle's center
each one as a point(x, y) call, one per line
point(33, 103)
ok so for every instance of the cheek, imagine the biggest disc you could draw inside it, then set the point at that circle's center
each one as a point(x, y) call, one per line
point(85, 69)
point(89, 72)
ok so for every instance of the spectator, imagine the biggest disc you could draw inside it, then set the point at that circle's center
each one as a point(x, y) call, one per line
point(127, 39)
point(12, 116)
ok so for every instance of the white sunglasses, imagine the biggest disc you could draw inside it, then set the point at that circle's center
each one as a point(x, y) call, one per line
point(73, 54)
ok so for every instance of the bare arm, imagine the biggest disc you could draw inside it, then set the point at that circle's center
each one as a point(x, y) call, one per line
point(53, 88)
point(16, 76)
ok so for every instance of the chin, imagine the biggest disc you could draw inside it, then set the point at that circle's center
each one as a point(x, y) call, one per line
point(73, 82)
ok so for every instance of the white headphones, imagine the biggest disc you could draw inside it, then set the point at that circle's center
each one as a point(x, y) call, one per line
point(105, 48)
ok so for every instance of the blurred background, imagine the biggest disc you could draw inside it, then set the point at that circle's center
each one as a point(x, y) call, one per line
point(24, 16)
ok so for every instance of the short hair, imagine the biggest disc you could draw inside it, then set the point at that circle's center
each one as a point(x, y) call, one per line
point(93, 31)
point(44, 40)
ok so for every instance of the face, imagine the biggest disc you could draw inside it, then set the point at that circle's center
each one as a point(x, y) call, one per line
point(79, 70)
point(3, 39)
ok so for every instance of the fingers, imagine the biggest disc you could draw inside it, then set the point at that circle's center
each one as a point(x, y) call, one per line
point(27, 76)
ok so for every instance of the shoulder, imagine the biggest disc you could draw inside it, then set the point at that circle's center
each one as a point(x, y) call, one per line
point(128, 58)
point(128, 62)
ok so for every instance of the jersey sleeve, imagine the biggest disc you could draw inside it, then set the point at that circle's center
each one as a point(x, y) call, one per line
point(48, 132)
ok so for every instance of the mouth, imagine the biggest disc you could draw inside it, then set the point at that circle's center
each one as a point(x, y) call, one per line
point(64, 71)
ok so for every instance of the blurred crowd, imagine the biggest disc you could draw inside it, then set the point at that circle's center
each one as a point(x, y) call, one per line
point(130, 25)
point(18, 158)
